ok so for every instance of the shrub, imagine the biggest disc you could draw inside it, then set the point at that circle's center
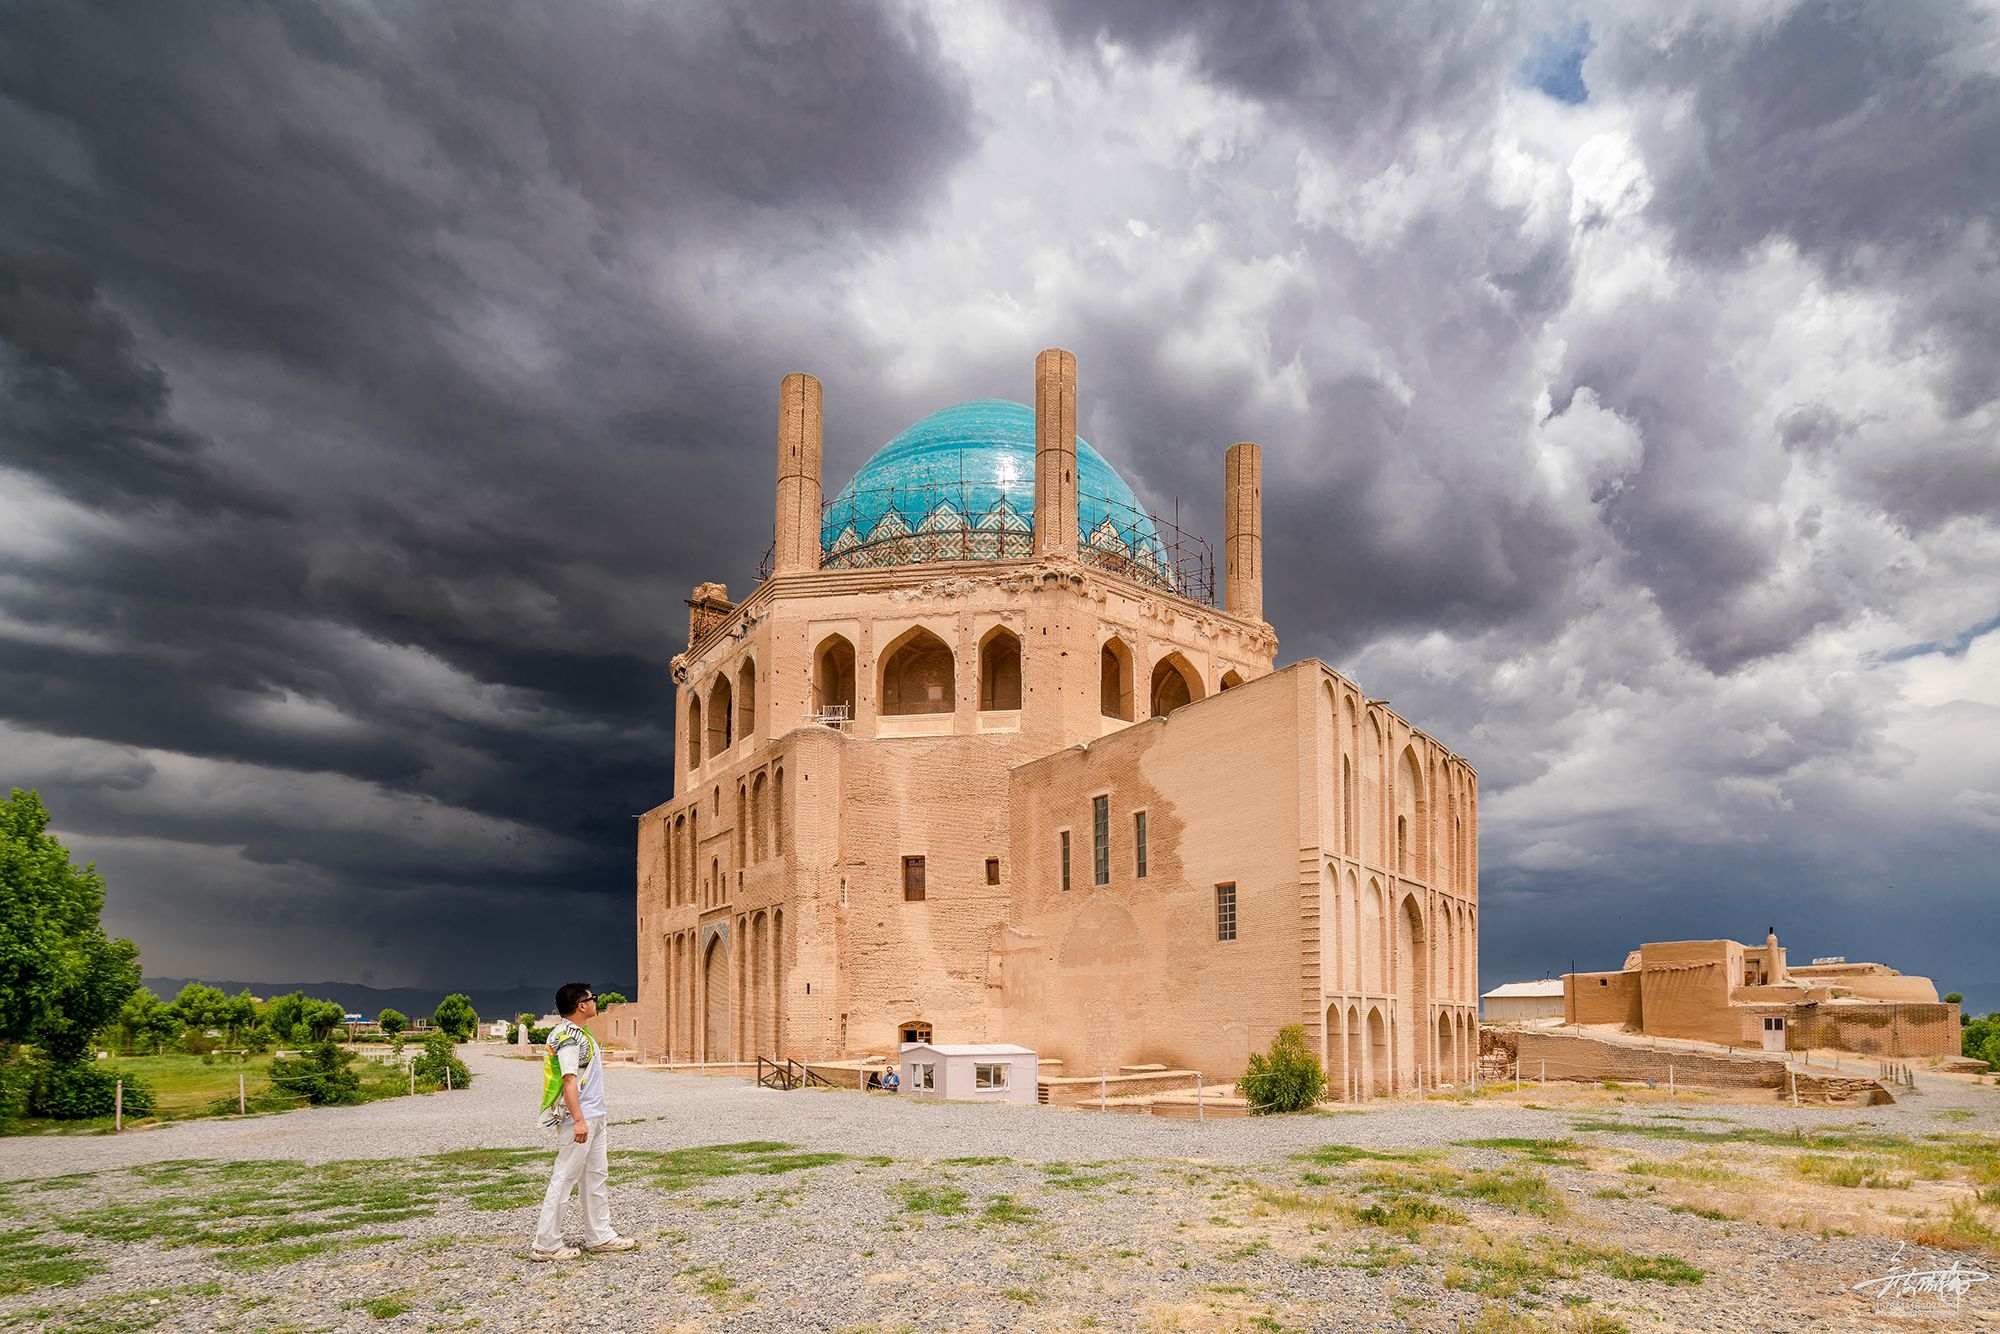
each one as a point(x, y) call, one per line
point(1286, 1079)
point(440, 1056)
point(319, 1074)
point(75, 1091)
point(1980, 1039)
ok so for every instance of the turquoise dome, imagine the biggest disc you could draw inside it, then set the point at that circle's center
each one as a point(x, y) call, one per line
point(960, 485)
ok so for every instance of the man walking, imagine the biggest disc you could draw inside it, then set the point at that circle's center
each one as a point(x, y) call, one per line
point(573, 1101)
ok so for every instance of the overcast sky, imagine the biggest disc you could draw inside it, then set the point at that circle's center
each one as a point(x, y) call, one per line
point(376, 380)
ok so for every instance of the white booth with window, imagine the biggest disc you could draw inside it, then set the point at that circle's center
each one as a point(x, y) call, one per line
point(968, 1071)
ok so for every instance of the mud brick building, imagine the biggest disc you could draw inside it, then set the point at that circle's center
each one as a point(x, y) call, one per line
point(980, 760)
point(1748, 996)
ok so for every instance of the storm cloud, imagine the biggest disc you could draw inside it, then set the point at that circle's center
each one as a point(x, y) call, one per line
point(375, 381)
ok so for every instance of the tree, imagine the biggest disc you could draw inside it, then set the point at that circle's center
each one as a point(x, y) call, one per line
point(1953, 998)
point(1288, 1079)
point(145, 1022)
point(321, 1018)
point(1980, 1040)
point(299, 1018)
point(611, 998)
point(392, 1021)
point(61, 978)
point(456, 1016)
point(239, 1015)
point(319, 1074)
point(439, 1066)
point(199, 1008)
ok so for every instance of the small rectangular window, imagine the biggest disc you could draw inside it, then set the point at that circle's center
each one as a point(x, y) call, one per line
point(923, 1075)
point(1225, 912)
point(1065, 861)
point(1139, 844)
point(1100, 840)
point(913, 879)
point(992, 870)
point(989, 1076)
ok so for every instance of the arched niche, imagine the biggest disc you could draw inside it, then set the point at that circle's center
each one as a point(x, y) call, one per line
point(1174, 683)
point(721, 717)
point(833, 679)
point(694, 730)
point(746, 698)
point(999, 671)
point(1115, 680)
point(918, 675)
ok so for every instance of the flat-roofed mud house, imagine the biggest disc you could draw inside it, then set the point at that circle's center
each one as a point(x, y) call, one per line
point(980, 761)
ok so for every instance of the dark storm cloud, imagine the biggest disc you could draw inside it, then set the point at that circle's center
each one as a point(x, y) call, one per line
point(387, 326)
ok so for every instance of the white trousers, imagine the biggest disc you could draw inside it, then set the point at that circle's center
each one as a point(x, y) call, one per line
point(578, 1165)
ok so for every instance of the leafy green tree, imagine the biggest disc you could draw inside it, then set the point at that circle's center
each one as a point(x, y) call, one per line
point(611, 998)
point(320, 1074)
point(438, 1058)
point(199, 1008)
point(284, 1015)
point(239, 1015)
point(145, 1022)
point(456, 1016)
point(61, 978)
point(1953, 998)
point(321, 1018)
point(1287, 1079)
point(393, 1021)
point(1980, 1040)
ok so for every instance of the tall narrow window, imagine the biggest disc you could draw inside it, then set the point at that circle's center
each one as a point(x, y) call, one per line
point(913, 879)
point(992, 870)
point(1225, 912)
point(1100, 840)
point(1139, 844)
point(1065, 860)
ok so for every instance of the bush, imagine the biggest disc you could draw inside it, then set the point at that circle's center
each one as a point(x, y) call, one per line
point(440, 1056)
point(319, 1074)
point(1288, 1079)
point(1980, 1040)
point(75, 1091)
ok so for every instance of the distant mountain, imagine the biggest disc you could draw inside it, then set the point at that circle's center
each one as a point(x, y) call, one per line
point(490, 1002)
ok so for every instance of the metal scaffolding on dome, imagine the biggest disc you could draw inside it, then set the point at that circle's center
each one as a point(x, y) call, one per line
point(922, 525)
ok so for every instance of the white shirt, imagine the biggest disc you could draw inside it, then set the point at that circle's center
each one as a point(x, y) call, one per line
point(577, 1053)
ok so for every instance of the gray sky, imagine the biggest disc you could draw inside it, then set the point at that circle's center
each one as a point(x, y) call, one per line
point(375, 381)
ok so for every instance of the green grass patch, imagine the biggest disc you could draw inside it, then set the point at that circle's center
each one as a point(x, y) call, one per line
point(939, 1200)
point(1558, 1152)
point(680, 1168)
point(1005, 1209)
point(28, 1263)
point(977, 1160)
point(1684, 1169)
point(1333, 1155)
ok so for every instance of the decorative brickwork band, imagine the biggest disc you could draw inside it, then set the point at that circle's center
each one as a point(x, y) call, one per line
point(1243, 532)
point(798, 474)
point(1055, 453)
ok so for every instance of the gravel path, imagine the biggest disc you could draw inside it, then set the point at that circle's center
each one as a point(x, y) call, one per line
point(1060, 1220)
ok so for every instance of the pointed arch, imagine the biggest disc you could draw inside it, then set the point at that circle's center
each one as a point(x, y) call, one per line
point(1114, 674)
point(721, 720)
point(746, 698)
point(833, 679)
point(1175, 683)
point(1412, 822)
point(760, 817)
point(999, 670)
point(778, 819)
point(1372, 945)
point(919, 675)
point(1230, 680)
point(694, 733)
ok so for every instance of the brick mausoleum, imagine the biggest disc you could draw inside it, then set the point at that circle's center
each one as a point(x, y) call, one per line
point(979, 760)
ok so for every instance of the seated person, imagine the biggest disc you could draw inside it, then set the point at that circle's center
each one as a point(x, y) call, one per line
point(892, 1081)
point(874, 1080)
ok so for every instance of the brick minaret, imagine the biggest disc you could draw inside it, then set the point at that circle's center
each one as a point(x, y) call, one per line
point(798, 475)
point(1243, 532)
point(1055, 453)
